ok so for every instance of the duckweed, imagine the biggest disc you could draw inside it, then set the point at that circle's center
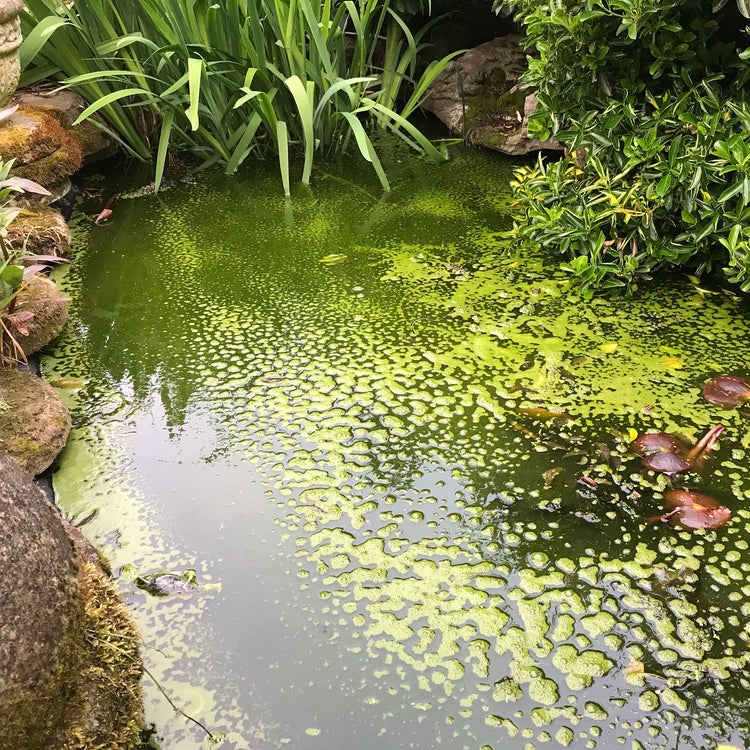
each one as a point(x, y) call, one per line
point(358, 453)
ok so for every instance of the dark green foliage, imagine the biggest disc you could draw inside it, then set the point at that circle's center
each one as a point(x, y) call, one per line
point(650, 98)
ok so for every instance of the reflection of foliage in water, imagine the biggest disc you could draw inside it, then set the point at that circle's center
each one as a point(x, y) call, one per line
point(378, 397)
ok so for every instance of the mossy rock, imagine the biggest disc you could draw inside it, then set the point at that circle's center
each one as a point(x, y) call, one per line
point(106, 706)
point(41, 297)
point(69, 660)
point(65, 105)
point(42, 149)
point(40, 231)
point(34, 422)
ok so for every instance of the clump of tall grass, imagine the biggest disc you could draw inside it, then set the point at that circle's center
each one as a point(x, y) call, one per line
point(231, 79)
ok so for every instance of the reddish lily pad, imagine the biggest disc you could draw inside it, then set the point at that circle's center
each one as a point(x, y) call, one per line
point(693, 510)
point(727, 391)
point(656, 442)
point(665, 463)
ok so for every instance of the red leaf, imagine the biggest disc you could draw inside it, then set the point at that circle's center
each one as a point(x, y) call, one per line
point(726, 391)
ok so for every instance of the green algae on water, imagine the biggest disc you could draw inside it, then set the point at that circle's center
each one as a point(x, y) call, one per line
point(357, 451)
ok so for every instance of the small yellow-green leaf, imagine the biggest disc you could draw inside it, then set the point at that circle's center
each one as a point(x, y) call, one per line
point(609, 347)
point(671, 363)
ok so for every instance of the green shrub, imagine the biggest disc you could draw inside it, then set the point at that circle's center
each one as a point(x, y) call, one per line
point(227, 80)
point(650, 99)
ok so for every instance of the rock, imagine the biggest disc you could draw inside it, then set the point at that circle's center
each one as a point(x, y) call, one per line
point(41, 231)
point(41, 297)
point(42, 149)
point(69, 660)
point(478, 97)
point(34, 422)
point(10, 39)
point(41, 614)
point(65, 105)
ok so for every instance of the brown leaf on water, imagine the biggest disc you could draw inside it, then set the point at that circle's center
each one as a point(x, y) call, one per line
point(578, 360)
point(635, 667)
point(540, 412)
point(550, 474)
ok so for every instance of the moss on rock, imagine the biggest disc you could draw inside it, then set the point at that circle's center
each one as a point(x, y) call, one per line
point(41, 231)
point(69, 659)
point(42, 149)
point(41, 297)
point(34, 422)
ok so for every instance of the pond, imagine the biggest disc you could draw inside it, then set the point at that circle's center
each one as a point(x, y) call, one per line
point(394, 451)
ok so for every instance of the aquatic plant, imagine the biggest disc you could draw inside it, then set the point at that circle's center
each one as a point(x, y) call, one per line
point(225, 81)
point(666, 454)
point(692, 510)
point(727, 391)
point(656, 173)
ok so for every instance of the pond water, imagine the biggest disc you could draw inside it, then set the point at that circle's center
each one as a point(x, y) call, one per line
point(362, 420)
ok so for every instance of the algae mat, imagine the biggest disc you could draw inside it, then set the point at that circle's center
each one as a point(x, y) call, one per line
point(363, 421)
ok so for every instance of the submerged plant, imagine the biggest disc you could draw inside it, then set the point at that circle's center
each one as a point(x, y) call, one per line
point(243, 77)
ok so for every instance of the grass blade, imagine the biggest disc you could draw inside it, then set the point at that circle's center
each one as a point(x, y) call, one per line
point(282, 142)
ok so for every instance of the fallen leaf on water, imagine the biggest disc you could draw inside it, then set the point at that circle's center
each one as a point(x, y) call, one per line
point(578, 360)
point(635, 667)
point(672, 363)
point(609, 348)
point(67, 383)
point(333, 259)
point(550, 474)
point(541, 412)
point(632, 434)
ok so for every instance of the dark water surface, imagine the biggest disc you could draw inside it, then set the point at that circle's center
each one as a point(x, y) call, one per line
point(332, 409)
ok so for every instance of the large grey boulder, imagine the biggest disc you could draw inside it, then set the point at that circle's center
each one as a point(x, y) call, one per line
point(479, 98)
point(69, 660)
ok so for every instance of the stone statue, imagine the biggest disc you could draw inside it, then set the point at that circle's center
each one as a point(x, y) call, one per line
point(10, 39)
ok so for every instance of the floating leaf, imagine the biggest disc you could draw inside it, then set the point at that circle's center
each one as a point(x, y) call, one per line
point(333, 259)
point(726, 391)
point(672, 363)
point(609, 347)
point(665, 463)
point(656, 442)
point(635, 667)
point(693, 510)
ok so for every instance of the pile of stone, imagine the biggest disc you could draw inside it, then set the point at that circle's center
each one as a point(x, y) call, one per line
point(70, 665)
